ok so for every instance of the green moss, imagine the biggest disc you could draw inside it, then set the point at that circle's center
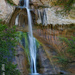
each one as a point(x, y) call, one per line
point(10, 2)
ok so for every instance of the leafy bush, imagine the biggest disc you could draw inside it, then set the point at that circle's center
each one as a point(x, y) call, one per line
point(63, 60)
point(70, 44)
point(67, 4)
point(7, 52)
point(70, 51)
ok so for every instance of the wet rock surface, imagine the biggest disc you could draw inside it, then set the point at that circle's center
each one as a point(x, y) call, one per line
point(49, 38)
point(21, 60)
point(53, 17)
point(45, 66)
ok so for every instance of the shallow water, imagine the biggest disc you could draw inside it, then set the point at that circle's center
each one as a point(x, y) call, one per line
point(35, 74)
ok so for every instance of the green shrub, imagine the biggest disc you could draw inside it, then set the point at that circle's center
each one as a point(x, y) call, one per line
point(70, 51)
point(7, 52)
point(63, 60)
point(67, 4)
point(71, 45)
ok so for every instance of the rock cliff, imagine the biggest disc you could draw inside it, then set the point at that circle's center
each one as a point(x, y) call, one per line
point(16, 2)
point(46, 12)
point(6, 10)
point(51, 16)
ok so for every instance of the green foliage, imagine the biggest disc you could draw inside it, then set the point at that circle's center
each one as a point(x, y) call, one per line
point(24, 36)
point(73, 27)
point(10, 2)
point(11, 70)
point(67, 4)
point(37, 44)
point(0, 20)
point(7, 52)
point(63, 60)
point(70, 50)
point(70, 44)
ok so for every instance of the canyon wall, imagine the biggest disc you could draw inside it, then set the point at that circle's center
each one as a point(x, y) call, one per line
point(16, 2)
point(6, 10)
point(53, 14)
point(46, 12)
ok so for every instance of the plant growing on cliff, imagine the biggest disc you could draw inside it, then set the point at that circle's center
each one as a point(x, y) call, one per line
point(67, 4)
point(70, 45)
point(10, 2)
point(70, 51)
point(7, 52)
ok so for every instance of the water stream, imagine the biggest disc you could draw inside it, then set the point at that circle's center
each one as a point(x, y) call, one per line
point(42, 17)
point(16, 20)
point(32, 45)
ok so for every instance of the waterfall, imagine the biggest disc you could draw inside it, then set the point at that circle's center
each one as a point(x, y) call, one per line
point(32, 45)
point(39, 17)
point(42, 17)
point(24, 3)
point(16, 20)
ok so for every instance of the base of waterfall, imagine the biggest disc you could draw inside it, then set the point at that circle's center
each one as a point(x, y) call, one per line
point(21, 7)
point(34, 74)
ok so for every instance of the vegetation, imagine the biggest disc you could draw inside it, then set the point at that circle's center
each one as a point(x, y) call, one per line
point(67, 4)
point(70, 51)
point(10, 2)
point(70, 44)
point(7, 52)
point(62, 59)
point(23, 40)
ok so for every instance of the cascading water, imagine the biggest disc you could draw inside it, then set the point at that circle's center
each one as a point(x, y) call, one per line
point(44, 18)
point(39, 17)
point(32, 45)
point(16, 20)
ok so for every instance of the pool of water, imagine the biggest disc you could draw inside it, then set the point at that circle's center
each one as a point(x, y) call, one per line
point(34, 74)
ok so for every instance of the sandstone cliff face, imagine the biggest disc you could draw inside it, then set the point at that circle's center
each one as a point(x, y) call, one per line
point(51, 15)
point(41, 2)
point(16, 2)
point(6, 10)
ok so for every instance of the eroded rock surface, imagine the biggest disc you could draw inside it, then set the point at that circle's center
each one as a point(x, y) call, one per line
point(16, 1)
point(53, 17)
point(21, 60)
point(6, 10)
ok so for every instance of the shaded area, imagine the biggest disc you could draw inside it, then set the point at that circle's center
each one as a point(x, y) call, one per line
point(49, 39)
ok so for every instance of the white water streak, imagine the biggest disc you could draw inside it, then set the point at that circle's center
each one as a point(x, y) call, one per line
point(16, 20)
point(32, 41)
